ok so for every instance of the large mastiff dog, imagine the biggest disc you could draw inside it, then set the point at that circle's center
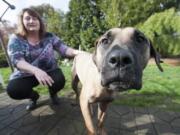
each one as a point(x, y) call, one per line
point(117, 64)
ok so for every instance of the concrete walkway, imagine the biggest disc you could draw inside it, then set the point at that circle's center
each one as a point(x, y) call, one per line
point(66, 119)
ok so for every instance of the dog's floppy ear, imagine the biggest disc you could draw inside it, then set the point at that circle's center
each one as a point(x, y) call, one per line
point(156, 56)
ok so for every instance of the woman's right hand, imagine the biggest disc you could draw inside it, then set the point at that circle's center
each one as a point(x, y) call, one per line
point(42, 77)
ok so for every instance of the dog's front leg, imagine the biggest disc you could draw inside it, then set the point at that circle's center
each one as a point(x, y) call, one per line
point(85, 108)
point(101, 116)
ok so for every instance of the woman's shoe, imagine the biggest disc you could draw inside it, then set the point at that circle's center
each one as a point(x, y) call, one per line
point(33, 103)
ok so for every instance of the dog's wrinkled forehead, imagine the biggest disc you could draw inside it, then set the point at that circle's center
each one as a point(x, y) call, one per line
point(122, 34)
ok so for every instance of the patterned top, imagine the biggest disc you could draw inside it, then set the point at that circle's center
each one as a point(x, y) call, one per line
point(42, 55)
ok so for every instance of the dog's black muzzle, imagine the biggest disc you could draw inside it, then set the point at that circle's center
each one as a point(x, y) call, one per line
point(121, 71)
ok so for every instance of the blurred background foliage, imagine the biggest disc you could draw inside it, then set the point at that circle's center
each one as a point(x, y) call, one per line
point(86, 20)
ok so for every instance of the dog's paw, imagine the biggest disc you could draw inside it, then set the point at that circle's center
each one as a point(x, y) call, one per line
point(102, 131)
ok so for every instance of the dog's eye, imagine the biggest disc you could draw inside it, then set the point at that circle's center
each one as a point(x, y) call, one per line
point(140, 38)
point(104, 41)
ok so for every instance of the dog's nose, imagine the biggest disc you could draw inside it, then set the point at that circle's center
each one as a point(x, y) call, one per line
point(120, 58)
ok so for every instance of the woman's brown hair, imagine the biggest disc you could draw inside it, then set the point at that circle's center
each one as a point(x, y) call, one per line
point(22, 32)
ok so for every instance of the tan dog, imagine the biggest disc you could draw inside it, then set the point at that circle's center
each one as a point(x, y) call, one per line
point(116, 65)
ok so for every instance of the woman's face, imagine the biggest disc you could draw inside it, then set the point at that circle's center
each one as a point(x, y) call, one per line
point(31, 23)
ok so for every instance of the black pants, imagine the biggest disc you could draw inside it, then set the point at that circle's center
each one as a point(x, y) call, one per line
point(22, 88)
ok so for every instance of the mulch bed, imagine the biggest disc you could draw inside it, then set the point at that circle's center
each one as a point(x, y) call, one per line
point(169, 61)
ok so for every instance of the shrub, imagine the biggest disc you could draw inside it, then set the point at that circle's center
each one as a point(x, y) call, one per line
point(164, 30)
point(3, 61)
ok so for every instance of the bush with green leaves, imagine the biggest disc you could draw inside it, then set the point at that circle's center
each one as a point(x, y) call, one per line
point(164, 31)
point(3, 61)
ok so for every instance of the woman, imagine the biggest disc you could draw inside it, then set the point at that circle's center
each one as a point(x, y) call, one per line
point(32, 53)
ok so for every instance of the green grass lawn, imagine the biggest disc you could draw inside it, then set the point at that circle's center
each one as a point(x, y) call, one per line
point(160, 89)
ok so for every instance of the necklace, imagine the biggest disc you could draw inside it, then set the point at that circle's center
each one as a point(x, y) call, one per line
point(35, 42)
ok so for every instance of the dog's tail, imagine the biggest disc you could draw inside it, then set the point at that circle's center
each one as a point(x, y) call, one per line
point(75, 80)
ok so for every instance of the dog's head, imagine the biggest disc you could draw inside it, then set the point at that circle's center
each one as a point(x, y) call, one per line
point(121, 55)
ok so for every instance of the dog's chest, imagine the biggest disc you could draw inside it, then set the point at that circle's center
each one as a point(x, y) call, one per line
point(101, 95)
